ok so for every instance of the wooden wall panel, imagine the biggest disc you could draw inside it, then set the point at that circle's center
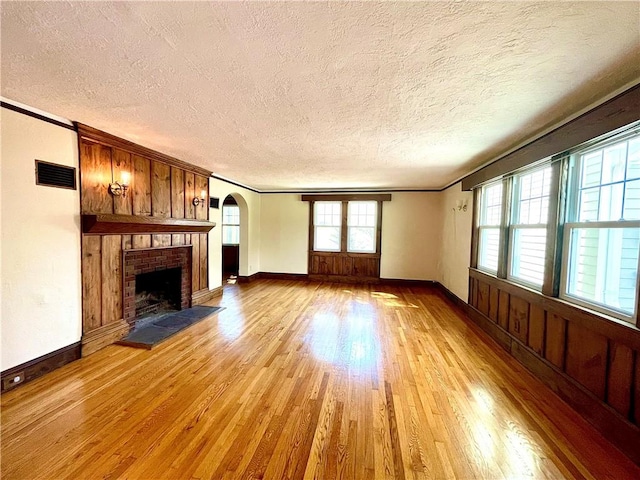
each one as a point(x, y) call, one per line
point(597, 364)
point(160, 190)
point(141, 186)
point(91, 285)
point(586, 358)
point(141, 241)
point(503, 309)
point(177, 239)
point(555, 340)
point(162, 240)
point(189, 193)
point(177, 192)
point(620, 378)
point(122, 163)
point(493, 303)
point(636, 394)
point(160, 186)
point(195, 263)
point(519, 318)
point(483, 297)
point(95, 168)
point(127, 242)
point(204, 279)
point(111, 279)
point(202, 211)
point(472, 292)
point(537, 326)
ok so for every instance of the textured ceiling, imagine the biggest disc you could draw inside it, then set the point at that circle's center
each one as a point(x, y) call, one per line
point(300, 95)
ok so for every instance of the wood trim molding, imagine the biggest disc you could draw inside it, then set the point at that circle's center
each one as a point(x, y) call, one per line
point(100, 337)
point(346, 197)
point(616, 113)
point(98, 136)
point(610, 327)
point(107, 223)
point(204, 295)
point(40, 366)
point(29, 113)
point(248, 278)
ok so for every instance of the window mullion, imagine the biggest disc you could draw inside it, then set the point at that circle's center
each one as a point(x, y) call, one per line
point(475, 227)
point(503, 247)
point(555, 230)
point(344, 229)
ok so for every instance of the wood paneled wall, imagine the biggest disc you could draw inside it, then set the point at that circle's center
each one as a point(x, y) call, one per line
point(591, 361)
point(160, 186)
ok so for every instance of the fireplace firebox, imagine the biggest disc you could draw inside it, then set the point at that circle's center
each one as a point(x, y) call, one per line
point(156, 280)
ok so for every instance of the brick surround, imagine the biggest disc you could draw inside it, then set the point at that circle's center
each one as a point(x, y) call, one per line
point(149, 260)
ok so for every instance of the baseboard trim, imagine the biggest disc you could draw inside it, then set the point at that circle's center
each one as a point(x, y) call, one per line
point(203, 296)
point(40, 366)
point(249, 278)
point(103, 336)
point(302, 277)
point(615, 428)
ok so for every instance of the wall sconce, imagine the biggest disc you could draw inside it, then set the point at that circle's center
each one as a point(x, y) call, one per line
point(120, 188)
point(200, 201)
point(461, 205)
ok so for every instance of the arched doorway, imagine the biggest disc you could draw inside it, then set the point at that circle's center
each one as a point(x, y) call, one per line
point(234, 237)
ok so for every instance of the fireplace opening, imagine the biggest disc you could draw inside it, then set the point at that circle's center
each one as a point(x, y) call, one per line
point(158, 292)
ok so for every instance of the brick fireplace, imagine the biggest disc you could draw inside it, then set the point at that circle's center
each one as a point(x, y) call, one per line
point(144, 261)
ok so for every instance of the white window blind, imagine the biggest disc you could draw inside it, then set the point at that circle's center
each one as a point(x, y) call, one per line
point(528, 229)
point(489, 227)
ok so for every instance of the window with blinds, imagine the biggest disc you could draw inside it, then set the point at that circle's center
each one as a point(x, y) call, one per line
point(489, 227)
point(528, 229)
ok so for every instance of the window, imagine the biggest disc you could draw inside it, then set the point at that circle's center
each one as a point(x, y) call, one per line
point(593, 219)
point(489, 227)
point(361, 230)
point(602, 236)
point(230, 225)
point(327, 223)
point(528, 229)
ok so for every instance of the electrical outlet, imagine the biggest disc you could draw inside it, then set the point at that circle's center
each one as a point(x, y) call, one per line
point(12, 381)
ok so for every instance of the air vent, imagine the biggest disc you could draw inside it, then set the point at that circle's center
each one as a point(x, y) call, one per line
point(52, 175)
point(214, 202)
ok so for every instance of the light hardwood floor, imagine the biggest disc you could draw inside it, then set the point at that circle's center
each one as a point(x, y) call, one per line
point(309, 380)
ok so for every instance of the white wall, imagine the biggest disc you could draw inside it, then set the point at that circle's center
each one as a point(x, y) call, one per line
point(284, 227)
point(455, 254)
point(249, 230)
point(411, 236)
point(40, 238)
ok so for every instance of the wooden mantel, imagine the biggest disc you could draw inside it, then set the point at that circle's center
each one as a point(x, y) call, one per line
point(106, 223)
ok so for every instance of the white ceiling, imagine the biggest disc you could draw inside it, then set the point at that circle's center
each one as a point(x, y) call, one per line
point(300, 95)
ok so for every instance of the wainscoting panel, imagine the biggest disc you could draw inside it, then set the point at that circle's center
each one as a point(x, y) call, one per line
point(591, 361)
